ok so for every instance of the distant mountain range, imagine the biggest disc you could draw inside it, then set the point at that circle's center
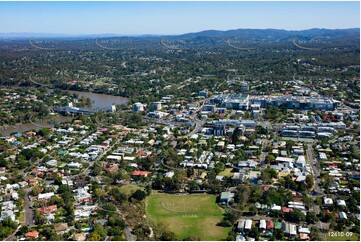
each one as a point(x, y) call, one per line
point(278, 33)
point(241, 33)
point(49, 35)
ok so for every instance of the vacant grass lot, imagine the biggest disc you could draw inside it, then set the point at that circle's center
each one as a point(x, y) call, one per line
point(226, 172)
point(188, 215)
point(129, 189)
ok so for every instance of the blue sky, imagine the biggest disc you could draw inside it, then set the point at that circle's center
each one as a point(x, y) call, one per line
point(172, 17)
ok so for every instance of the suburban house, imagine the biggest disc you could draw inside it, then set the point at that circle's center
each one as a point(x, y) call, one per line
point(32, 235)
point(226, 197)
point(141, 173)
point(248, 224)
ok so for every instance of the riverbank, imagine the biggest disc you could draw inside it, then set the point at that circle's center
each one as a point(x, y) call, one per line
point(101, 100)
point(98, 101)
point(31, 125)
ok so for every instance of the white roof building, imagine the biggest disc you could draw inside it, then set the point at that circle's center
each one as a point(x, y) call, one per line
point(341, 203)
point(322, 155)
point(301, 161)
point(240, 238)
point(82, 193)
point(285, 159)
point(342, 215)
point(9, 205)
point(327, 201)
point(262, 224)
point(114, 157)
point(304, 230)
point(248, 224)
point(74, 165)
point(169, 174)
point(45, 195)
point(7, 214)
point(293, 229)
point(275, 207)
point(81, 214)
point(15, 196)
point(52, 163)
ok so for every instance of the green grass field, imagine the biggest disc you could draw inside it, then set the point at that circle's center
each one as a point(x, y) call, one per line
point(129, 189)
point(226, 172)
point(188, 215)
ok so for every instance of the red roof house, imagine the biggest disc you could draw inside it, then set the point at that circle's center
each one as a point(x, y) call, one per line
point(48, 209)
point(269, 224)
point(33, 234)
point(286, 210)
point(141, 173)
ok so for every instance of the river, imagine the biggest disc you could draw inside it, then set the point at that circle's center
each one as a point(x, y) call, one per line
point(33, 125)
point(100, 101)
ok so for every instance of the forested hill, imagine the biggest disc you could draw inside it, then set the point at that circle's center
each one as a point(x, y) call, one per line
point(255, 34)
point(274, 33)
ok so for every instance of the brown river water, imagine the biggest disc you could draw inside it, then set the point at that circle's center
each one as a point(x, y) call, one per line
point(100, 101)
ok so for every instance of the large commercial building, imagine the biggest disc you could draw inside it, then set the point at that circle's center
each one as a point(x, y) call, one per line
point(203, 93)
point(304, 103)
point(312, 130)
point(226, 127)
point(219, 129)
point(243, 102)
point(231, 101)
point(233, 122)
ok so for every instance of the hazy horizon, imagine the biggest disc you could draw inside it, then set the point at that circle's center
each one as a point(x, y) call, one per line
point(43, 35)
point(172, 18)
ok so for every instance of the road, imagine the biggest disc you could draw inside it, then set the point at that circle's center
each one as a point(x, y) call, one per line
point(230, 114)
point(12, 236)
point(199, 123)
point(87, 170)
point(321, 226)
point(28, 211)
point(29, 215)
point(316, 169)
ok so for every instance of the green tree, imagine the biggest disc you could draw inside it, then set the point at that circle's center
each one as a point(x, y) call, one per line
point(295, 216)
point(139, 195)
point(242, 195)
point(36, 190)
point(168, 236)
point(118, 195)
point(315, 234)
point(270, 158)
point(95, 236)
point(219, 166)
point(289, 144)
point(193, 185)
point(148, 190)
point(254, 233)
point(45, 132)
point(311, 218)
point(99, 228)
point(142, 232)
point(309, 181)
point(38, 218)
point(267, 175)
point(116, 222)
